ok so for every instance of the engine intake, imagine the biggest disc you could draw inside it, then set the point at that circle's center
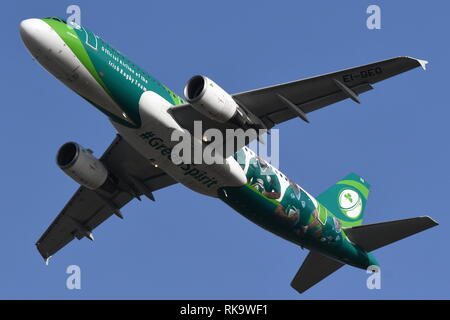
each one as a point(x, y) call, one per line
point(211, 100)
point(79, 164)
point(195, 88)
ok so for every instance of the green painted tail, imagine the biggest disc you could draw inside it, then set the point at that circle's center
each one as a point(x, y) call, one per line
point(347, 199)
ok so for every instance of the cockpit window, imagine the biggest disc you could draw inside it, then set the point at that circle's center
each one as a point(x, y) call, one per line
point(57, 19)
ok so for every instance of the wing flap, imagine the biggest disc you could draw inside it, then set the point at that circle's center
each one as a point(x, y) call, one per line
point(284, 114)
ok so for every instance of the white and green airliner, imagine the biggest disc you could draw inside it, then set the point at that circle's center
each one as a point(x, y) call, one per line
point(140, 160)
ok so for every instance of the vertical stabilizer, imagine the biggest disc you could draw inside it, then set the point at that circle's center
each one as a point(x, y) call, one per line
point(347, 199)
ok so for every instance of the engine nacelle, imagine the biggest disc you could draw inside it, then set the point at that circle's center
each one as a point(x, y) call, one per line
point(79, 164)
point(211, 100)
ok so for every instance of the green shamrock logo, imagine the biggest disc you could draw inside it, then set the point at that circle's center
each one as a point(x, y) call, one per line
point(349, 197)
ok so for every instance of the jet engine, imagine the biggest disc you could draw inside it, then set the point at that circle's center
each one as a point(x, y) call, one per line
point(209, 99)
point(79, 164)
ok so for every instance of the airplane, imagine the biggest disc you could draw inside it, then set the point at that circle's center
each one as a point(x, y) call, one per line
point(139, 161)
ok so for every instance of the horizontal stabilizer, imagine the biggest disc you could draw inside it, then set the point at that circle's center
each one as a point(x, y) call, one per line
point(373, 236)
point(315, 268)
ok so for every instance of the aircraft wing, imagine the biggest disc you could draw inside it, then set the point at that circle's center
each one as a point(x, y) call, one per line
point(87, 208)
point(282, 102)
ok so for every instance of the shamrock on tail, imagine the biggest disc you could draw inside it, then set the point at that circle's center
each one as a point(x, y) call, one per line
point(349, 197)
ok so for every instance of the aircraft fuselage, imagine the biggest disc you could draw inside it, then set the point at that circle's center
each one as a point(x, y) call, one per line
point(138, 107)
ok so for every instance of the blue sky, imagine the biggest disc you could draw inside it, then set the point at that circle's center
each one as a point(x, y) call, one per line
point(185, 245)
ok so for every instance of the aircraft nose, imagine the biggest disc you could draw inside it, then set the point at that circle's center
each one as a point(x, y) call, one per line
point(28, 29)
point(32, 33)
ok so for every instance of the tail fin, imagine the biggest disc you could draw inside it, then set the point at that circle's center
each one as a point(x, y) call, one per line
point(373, 236)
point(346, 200)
